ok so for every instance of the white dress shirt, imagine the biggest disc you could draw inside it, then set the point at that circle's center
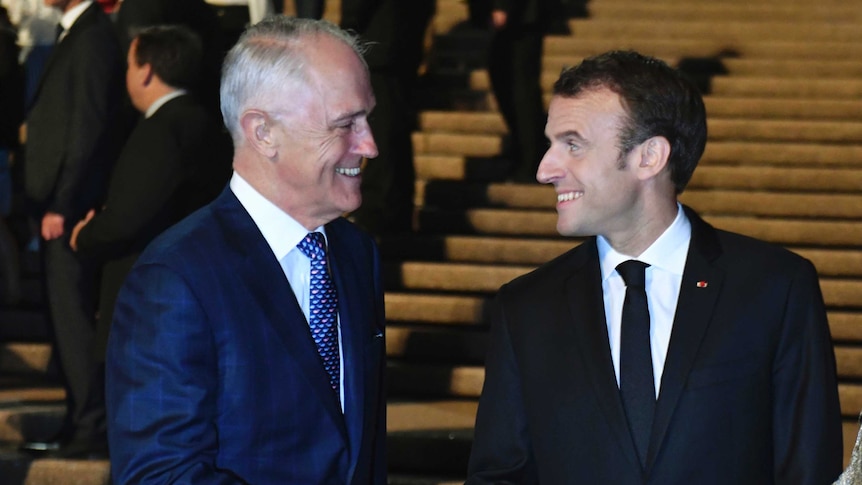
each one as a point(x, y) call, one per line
point(282, 234)
point(666, 257)
point(69, 18)
point(161, 101)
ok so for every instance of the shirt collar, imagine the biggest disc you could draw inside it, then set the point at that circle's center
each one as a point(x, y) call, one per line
point(161, 102)
point(68, 19)
point(281, 231)
point(667, 253)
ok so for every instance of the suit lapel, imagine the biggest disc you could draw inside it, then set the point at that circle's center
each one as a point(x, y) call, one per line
point(274, 301)
point(701, 284)
point(87, 17)
point(351, 312)
point(584, 292)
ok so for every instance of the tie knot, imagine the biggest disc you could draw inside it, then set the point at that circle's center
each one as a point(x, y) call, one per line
point(633, 272)
point(313, 245)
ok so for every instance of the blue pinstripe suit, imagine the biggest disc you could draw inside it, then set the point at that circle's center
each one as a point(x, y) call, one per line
point(213, 377)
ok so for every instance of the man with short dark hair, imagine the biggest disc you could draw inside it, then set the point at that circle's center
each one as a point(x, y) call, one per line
point(172, 164)
point(660, 350)
point(248, 341)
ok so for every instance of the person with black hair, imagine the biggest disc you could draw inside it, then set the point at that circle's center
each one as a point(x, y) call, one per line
point(171, 164)
point(660, 350)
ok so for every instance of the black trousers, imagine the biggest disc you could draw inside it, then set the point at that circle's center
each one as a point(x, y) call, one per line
point(515, 68)
point(70, 289)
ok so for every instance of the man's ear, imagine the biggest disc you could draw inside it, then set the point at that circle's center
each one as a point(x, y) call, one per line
point(257, 129)
point(654, 154)
point(148, 74)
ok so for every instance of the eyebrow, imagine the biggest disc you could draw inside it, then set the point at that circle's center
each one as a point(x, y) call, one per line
point(570, 134)
point(349, 116)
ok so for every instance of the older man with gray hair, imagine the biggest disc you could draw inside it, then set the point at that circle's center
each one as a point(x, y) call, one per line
point(247, 344)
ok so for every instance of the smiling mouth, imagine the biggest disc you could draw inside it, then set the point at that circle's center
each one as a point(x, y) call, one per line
point(350, 172)
point(567, 196)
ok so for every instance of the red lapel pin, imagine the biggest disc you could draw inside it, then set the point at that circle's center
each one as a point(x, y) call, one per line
point(702, 284)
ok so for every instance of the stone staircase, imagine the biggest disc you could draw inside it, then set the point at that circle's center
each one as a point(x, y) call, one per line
point(783, 163)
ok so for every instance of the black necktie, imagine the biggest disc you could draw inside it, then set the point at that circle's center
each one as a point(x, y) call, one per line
point(59, 29)
point(637, 385)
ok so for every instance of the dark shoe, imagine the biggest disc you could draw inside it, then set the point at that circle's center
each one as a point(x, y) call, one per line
point(38, 447)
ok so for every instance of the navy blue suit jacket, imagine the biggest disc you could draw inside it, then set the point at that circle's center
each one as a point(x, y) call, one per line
point(748, 395)
point(212, 374)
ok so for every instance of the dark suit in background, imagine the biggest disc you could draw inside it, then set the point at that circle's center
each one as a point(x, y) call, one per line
point(309, 9)
point(396, 32)
point(515, 69)
point(170, 166)
point(69, 152)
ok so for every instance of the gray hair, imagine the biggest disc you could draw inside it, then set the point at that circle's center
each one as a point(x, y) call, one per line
point(269, 55)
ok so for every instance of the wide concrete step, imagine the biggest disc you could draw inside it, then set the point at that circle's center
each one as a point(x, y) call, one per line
point(759, 29)
point(726, 11)
point(777, 68)
point(769, 178)
point(435, 309)
point(819, 88)
point(801, 3)
point(736, 129)
point(464, 381)
point(717, 151)
point(838, 292)
point(784, 108)
point(513, 252)
point(778, 179)
point(24, 358)
point(418, 380)
point(437, 344)
point(508, 222)
point(458, 167)
point(761, 87)
point(20, 469)
point(453, 195)
point(705, 48)
point(430, 415)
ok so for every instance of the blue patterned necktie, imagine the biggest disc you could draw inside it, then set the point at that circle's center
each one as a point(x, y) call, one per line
point(637, 383)
point(323, 306)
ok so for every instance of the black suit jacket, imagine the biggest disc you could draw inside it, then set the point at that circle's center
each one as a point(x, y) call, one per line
point(173, 163)
point(70, 126)
point(748, 394)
